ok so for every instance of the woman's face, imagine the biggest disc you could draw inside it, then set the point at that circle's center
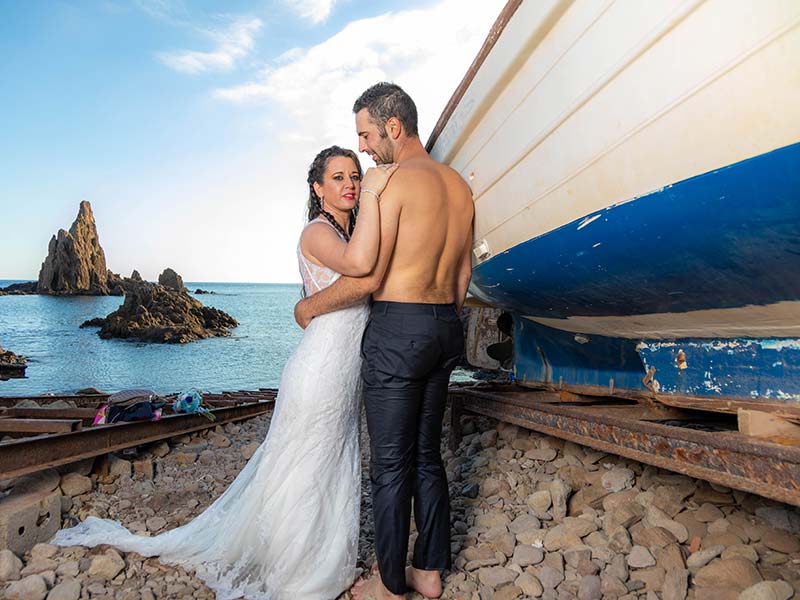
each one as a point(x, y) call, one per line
point(341, 184)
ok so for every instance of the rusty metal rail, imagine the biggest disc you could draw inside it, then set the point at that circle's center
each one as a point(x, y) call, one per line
point(727, 458)
point(30, 454)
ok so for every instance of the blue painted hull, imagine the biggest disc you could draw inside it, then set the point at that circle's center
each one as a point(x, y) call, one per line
point(728, 239)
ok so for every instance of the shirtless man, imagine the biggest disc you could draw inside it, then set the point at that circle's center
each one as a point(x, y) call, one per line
point(412, 341)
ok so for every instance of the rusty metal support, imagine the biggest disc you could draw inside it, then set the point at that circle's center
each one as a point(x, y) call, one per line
point(27, 455)
point(729, 459)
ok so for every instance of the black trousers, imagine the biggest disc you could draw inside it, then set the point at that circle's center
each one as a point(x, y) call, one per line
point(408, 352)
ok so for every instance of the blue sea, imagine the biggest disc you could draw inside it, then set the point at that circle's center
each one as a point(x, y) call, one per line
point(62, 358)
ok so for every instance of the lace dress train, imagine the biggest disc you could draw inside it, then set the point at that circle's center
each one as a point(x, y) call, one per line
point(287, 527)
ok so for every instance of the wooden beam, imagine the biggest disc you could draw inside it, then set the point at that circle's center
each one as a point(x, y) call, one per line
point(39, 425)
point(86, 414)
point(763, 424)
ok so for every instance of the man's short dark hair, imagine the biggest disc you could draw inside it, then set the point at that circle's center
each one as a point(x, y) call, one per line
point(386, 100)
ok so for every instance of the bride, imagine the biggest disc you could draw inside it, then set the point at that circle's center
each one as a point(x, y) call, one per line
point(287, 527)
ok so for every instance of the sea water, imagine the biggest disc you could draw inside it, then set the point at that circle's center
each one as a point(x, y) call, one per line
point(63, 358)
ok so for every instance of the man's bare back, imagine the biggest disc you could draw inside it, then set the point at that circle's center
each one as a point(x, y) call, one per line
point(433, 233)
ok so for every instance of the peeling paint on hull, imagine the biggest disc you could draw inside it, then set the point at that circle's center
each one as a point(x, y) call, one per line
point(697, 281)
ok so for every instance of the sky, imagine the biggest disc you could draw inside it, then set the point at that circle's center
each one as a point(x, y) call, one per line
point(190, 124)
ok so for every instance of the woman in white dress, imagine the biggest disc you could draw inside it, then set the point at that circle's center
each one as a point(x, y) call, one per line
point(287, 527)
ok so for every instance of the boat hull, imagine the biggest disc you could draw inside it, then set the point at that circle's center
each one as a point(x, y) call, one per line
point(636, 174)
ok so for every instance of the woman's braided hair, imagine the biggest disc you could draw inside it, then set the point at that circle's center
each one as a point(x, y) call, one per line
point(316, 174)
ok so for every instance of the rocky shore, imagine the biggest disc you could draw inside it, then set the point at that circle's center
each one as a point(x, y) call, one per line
point(532, 517)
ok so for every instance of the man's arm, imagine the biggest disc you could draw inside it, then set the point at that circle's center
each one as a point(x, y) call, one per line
point(464, 271)
point(346, 291)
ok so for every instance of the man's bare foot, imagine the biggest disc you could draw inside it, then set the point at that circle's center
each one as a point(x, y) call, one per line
point(373, 589)
point(427, 583)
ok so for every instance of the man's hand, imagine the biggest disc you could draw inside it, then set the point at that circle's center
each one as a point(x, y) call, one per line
point(302, 315)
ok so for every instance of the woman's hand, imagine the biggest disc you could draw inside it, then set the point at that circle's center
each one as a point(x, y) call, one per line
point(376, 178)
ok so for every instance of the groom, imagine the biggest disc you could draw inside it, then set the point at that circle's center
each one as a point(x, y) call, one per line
point(412, 341)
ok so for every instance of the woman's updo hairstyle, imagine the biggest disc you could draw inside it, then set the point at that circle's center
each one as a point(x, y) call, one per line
point(316, 174)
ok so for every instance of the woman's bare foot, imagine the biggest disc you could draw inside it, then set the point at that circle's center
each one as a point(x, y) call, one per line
point(427, 583)
point(373, 589)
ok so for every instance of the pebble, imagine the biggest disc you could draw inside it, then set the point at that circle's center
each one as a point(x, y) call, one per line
point(32, 587)
point(529, 585)
point(781, 541)
point(703, 557)
point(767, 590)
point(618, 479)
point(496, 576)
point(155, 524)
point(589, 588)
point(74, 484)
point(546, 526)
point(734, 572)
point(540, 501)
point(10, 566)
point(708, 513)
point(106, 566)
point(640, 557)
point(525, 556)
point(67, 590)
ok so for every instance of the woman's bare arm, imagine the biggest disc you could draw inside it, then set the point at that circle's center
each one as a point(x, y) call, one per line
point(356, 258)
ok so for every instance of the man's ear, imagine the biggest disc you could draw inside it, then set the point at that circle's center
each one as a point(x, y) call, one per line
point(394, 127)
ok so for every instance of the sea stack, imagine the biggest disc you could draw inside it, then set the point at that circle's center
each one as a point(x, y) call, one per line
point(75, 263)
point(163, 312)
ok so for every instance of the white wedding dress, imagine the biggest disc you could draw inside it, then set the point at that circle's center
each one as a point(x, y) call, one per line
point(287, 527)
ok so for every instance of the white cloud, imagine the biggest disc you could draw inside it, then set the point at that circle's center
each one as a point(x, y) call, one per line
point(316, 11)
point(427, 51)
point(232, 44)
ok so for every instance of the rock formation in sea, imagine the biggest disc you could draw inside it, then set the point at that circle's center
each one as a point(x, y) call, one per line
point(75, 263)
point(11, 365)
point(170, 279)
point(19, 289)
point(157, 313)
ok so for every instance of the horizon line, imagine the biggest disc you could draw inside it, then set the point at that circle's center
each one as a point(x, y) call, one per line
point(32, 279)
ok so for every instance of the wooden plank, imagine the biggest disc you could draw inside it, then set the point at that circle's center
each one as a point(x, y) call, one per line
point(39, 425)
point(86, 414)
point(762, 424)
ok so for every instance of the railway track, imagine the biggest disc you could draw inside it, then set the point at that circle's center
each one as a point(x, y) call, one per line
point(704, 445)
point(47, 436)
